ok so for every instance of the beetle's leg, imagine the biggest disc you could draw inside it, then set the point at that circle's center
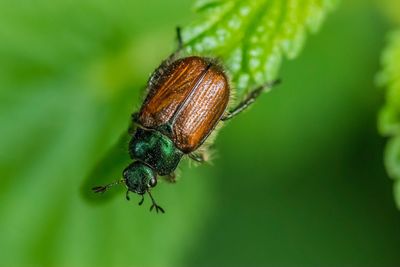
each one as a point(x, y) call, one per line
point(141, 201)
point(179, 38)
point(127, 195)
point(198, 157)
point(175, 55)
point(154, 79)
point(134, 123)
point(154, 205)
point(180, 43)
point(203, 154)
point(170, 178)
point(135, 117)
point(249, 99)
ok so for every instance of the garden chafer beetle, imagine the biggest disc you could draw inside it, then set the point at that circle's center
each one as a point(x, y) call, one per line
point(186, 100)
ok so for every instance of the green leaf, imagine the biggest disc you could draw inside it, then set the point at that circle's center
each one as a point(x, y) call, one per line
point(389, 117)
point(392, 157)
point(252, 37)
point(391, 8)
point(396, 191)
point(71, 73)
point(389, 77)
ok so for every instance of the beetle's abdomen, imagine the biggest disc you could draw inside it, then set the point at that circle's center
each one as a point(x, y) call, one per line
point(191, 98)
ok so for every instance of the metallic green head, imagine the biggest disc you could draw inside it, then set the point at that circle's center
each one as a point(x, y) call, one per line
point(139, 178)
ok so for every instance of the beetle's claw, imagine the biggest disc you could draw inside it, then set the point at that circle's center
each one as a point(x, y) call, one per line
point(99, 189)
point(158, 208)
point(161, 209)
point(154, 205)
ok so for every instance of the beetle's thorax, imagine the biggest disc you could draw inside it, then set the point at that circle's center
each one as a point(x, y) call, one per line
point(156, 150)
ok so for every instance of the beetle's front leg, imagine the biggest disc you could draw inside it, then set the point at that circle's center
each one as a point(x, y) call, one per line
point(248, 100)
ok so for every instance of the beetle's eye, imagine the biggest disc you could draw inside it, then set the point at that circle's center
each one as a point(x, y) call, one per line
point(153, 182)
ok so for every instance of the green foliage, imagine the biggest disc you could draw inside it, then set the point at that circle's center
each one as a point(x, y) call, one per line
point(252, 36)
point(389, 118)
point(391, 8)
point(70, 73)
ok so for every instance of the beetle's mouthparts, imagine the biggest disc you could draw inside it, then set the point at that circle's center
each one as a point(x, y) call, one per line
point(141, 201)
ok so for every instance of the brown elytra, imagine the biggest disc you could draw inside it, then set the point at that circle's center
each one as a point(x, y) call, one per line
point(190, 96)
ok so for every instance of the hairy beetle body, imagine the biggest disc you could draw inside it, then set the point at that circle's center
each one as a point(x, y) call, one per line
point(186, 100)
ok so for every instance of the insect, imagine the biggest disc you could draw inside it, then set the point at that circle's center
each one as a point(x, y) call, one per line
point(186, 99)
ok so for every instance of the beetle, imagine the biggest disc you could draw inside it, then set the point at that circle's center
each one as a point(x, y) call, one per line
point(187, 98)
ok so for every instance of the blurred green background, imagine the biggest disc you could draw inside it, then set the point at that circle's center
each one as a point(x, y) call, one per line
point(298, 180)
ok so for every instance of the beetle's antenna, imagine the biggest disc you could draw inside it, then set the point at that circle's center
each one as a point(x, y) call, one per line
point(158, 208)
point(102, 189)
